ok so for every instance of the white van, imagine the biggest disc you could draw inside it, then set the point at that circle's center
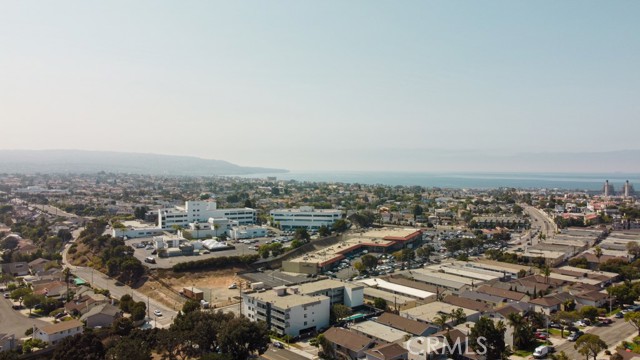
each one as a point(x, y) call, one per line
point(541, 351)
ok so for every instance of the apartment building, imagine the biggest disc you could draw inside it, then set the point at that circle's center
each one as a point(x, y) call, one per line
point(305, 217)
point(286, 311)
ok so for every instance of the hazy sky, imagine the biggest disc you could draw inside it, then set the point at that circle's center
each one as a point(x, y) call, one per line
point(320, 85)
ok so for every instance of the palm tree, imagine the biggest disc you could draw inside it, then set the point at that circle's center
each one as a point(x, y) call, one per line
point(597, 251)
point(459, 316)
point(547, 272)
point(518, 323)
point(441, 321)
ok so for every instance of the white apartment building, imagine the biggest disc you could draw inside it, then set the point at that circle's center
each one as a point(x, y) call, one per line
point(305, 217)
point(286, 311)
point(202, 211)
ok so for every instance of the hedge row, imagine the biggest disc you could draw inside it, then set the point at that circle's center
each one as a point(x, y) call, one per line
point(215, 263)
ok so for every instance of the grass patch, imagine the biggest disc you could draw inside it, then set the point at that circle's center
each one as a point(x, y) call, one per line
point(613, 312)
point(556, 332)
point(523, 353)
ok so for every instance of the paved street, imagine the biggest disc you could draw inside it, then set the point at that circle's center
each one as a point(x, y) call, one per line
point(13, 322)
point(539, 221)
point(274, 353)
point(611, 334)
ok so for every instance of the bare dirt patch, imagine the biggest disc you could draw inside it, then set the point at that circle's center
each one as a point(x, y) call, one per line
point(165, 286)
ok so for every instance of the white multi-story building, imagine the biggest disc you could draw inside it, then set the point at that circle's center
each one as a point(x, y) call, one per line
point(305, 217)
point(202, 211)
point(286, 311)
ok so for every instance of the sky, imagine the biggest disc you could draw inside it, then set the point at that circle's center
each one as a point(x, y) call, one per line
point(321, 85)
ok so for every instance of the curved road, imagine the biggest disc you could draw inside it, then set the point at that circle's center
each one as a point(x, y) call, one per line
point(117, 290)
point(13, 322)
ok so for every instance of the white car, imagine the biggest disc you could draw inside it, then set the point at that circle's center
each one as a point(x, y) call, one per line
point(157, 312)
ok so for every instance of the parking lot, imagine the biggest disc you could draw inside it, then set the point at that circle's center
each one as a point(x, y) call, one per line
point(165, 263)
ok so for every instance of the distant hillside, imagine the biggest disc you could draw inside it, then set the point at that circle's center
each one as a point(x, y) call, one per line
point(80, 161)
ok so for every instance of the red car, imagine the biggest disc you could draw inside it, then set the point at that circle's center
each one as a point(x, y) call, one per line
point(541, 336)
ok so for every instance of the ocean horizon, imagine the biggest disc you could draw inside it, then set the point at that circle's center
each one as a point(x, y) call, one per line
point(465, 180)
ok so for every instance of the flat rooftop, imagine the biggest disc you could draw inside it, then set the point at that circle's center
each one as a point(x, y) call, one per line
point(335, 252)
point(379, 331)
point(464, 272)
point(397, 288)
point(390, 298)
point(498, 265)
point(325, 284)
point(429, 311)
point(286, 301)
point(444, 276)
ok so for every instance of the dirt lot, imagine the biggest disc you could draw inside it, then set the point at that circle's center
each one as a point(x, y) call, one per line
point(214, 284)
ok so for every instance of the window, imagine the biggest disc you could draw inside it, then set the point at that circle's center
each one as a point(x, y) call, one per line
point(305, 323)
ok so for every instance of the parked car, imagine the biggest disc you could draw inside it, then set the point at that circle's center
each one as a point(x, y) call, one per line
point(574, 336)
point(157, 312)
point(541, 336)
point(604, 320)
point(150, 260)
point(278, 344)
point(619, 315)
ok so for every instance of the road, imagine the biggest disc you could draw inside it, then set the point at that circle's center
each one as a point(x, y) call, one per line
point(611, 335)
point(274, 353)
point(13, 322)
point(541, 222)
point(102, 281)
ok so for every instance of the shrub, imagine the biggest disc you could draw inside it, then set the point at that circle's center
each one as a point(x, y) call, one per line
point(215, 263)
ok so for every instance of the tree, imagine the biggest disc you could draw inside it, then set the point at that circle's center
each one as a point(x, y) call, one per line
point(560, 356)
point(597, 251)
point(522, 331)
point(459, 317)
point(380, 303)
point(122, 326)
point(327, 351)
point(417, 211)
point(487, 334)
point(129, 349)
point(248, 204)
point(339, 312)
point(404, 255)
point(190, 306)
point(302, 234)
point(139, 311)
point(623, 293)
point(242, 337)
point(81, 346)
point(126, 303)
point(634, 319)
point(358, 265)
point(590, 344)
point(31, 300)
point(589, 312)
point(369, 261)
point(441, 321)
point(324, 231)
point(633, 249)
point(340, 225)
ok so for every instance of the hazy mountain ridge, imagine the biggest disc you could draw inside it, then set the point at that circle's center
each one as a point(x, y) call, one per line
point(81, 161)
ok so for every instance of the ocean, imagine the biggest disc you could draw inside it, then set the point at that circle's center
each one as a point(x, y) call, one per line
point(567, 181)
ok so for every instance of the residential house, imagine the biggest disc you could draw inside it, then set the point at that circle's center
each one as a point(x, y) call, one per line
point(101, 316)
point(15, 268)
point(52, 334)
point(413, 327)
point(348, 343)
point(391, 351)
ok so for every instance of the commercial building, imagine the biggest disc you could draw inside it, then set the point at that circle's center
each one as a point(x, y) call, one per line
point(286, 311)
point(305, 217)
point(202, 211)
point(377, 241)
point(423, 296)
